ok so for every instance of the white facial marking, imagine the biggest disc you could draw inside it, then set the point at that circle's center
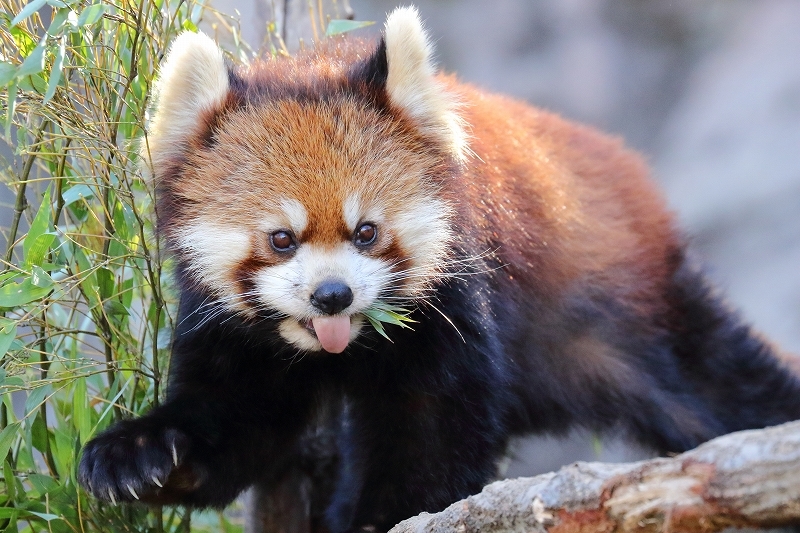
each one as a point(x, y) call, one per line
point(214, 251)
point(414, 227)
point(296, 215)
point(355, 212)
point(287, 287)
point(352, 211)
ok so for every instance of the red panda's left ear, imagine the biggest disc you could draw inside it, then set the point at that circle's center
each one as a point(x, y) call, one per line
point(192, 79)
point(411, 81)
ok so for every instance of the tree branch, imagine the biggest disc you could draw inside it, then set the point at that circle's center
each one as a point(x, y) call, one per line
point(746, 479)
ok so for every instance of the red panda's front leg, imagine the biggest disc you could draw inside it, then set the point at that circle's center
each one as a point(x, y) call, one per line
point(231, 418)
point(405, 451)
point(152, 458)
point(193, 450)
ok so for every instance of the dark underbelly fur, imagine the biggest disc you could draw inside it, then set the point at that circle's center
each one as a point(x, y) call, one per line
point(420, 423)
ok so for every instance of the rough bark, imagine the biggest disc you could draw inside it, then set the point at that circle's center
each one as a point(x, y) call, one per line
point(745, 479)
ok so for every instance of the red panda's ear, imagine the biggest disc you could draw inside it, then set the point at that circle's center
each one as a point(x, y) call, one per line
point(411, 82)
point(374, 71)
point(193, 78)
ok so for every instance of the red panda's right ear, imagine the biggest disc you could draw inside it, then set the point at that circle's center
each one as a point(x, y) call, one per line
point(411, 82)
point(401, 69)
point(193, 78)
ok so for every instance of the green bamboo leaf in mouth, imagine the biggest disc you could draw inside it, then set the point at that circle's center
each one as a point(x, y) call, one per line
point(381, 312)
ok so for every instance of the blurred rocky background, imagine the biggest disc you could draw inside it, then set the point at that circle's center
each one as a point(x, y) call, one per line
point(708, 90)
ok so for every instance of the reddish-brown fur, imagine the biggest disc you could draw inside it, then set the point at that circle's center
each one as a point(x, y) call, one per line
point(564, 204)
point(558, 201)
point(288, 148)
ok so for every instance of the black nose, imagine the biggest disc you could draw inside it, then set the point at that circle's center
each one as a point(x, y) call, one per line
point(331, 297)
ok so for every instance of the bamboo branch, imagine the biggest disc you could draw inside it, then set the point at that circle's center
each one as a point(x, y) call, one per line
point(21, 203)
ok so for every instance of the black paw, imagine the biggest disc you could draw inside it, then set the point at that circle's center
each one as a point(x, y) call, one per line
point(132, 460)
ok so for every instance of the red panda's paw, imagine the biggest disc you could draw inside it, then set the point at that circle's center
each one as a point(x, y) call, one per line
point(137, 460)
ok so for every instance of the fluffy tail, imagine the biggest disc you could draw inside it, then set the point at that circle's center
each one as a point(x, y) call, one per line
point(742, 378)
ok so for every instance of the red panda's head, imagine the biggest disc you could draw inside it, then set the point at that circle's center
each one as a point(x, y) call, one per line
point(307, 189)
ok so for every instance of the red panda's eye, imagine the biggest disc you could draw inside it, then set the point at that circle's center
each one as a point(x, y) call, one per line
point(282, 241)
point(365, 235)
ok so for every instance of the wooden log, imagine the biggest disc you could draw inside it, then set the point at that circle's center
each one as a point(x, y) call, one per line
point(745, 479)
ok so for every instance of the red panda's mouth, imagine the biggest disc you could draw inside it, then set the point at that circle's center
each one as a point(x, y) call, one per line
point(332, 332)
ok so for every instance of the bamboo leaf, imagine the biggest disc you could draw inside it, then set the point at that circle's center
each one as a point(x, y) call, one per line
point(45, 516)
point(33, 84)
point(8, 72)
point(27, 11)
point(115, 308)
point(37, 242)
point(34, 63)
point(11, 104)
point(16, 294)
point(337, 26)
point(381, 312)
point(59, 19)
point(7, 336)
point(10, 514)
point(75, 193)
point(8, 475)
point(378, 326)
point(386, 313)
point(40, 278)
point(81, 412)
point(13, 382)
point(91, 14)
point(7, 439)
point(55, 72)
point(105, 282)
point(381, 316)
point(7, 276)
point(25, 44)
point(39, 433)
point(36, 397)
point(63, 444)
point(39, 249)
point(41, 222)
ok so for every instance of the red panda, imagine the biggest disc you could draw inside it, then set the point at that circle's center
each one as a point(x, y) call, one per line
point(549, 283)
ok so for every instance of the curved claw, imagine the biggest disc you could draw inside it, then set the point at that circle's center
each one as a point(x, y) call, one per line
point(132, 461)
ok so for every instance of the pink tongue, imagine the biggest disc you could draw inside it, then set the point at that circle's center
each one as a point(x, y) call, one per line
point(333, 332)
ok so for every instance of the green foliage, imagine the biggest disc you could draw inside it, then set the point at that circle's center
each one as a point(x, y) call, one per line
point(339, 26)
point(380, 313)
point(86, 312)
